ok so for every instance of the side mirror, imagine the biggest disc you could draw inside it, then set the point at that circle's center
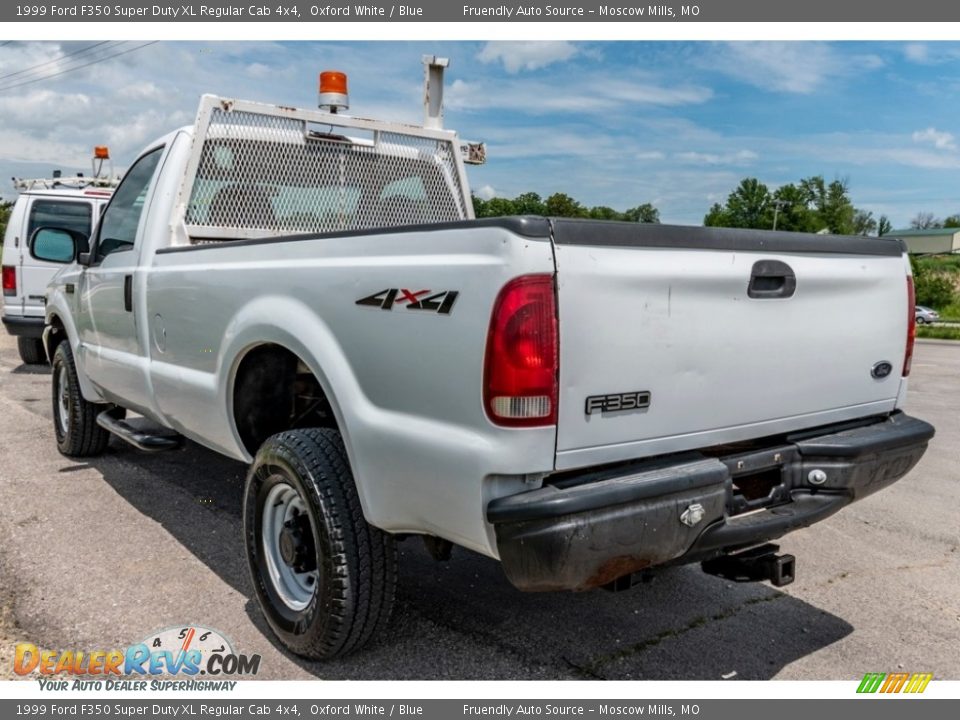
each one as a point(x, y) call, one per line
point(54, 244)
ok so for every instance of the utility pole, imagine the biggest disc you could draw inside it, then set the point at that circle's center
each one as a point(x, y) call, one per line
point(776, 210)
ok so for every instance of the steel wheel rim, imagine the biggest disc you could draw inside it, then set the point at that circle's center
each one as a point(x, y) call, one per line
point(295, 589)
point(63, 401)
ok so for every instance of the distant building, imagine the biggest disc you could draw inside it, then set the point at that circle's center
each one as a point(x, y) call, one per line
point(930, 241)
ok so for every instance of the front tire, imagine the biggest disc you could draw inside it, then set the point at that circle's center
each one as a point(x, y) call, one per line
point(74, 419)
point(325, 579)
point(31, 351)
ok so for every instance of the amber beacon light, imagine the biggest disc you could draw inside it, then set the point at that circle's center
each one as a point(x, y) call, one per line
point(333, 91)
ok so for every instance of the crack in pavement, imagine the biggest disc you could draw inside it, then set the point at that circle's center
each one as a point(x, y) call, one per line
point(594, 666)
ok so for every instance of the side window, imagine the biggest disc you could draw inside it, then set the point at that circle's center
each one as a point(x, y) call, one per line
point(118, 228)
point(68, 214)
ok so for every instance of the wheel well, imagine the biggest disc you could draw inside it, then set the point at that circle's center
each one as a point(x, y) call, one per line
point(57, 335)
point(273, 391)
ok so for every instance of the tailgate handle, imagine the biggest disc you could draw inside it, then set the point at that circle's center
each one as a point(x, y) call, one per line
point(771, 279)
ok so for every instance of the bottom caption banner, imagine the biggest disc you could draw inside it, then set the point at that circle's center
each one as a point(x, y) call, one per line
point(448, 709)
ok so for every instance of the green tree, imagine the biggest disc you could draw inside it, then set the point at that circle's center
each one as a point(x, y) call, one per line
point(864, 223)
point(810, 205)
point(831, 204)
point(562, 205)
point(494, 207)
point(645, 213)
point(479, 206)
point(529, 203)
point(925, 221)
point(793, 211)
point(5, 209)
point(717, 216)
point(749, 206)
point(951, 221)
point(931, 288)
point(602, 212)
point(838, 212)
point(884, 226)
point(559, 205)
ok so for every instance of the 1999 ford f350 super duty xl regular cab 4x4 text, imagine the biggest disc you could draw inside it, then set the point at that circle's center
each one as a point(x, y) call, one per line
point(583, 400)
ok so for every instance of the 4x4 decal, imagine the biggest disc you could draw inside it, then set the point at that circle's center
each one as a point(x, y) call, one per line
point(438, 302)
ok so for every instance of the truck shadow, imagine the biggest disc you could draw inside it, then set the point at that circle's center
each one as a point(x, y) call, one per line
point(463, 620)
point(24, 369)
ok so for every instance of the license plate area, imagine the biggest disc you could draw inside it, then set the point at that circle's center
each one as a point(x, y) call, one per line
point(760, 479)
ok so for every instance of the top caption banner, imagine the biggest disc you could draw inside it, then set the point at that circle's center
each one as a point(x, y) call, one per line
point(454, 11)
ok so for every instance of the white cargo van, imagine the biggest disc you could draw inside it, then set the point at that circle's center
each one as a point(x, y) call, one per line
point(41, 203)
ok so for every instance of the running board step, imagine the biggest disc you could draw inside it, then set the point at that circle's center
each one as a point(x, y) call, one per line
point(138, 438)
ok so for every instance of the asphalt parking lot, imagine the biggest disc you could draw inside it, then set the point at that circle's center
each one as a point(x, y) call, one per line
point(97, 554)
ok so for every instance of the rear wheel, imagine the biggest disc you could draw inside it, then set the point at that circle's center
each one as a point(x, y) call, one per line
point(74, 418)
point(31, 351)
point(324, 577)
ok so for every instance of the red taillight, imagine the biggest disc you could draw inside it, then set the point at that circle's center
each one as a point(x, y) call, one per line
point(911, 326)
point(520, 370)
point(9, 280)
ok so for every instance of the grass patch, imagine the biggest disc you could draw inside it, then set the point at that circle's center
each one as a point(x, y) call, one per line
point(951, 312)
point(940, 263)
point(938, 333)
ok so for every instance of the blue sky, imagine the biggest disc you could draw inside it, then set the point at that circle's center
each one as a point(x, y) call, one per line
point(677, 124)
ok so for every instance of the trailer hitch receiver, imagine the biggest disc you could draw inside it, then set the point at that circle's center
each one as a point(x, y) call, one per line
point(754, 565)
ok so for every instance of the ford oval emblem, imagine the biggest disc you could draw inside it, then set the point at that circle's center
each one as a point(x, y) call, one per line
point(881, 370)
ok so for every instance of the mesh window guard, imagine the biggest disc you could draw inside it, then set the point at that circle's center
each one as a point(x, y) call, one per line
point(260, 174)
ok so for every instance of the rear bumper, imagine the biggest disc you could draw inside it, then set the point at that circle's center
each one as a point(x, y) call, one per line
point(23, 326)
point(588, 530)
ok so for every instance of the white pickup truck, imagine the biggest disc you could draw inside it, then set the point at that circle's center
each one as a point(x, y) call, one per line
point(585, 401)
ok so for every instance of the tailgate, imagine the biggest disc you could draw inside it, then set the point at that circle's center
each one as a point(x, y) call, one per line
point(728, 334)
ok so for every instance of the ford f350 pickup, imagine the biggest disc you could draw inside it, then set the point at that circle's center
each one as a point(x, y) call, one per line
point(585, 401)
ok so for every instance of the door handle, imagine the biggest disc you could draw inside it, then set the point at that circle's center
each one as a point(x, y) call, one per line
point(771, 279)
point(128, 293)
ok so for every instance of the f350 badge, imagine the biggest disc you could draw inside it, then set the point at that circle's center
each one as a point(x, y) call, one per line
point(617, 402)
point(438, 302)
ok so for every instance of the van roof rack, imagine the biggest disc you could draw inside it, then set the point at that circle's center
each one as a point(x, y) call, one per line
point(77, 182)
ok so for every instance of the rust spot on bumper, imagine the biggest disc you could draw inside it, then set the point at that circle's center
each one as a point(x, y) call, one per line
point(615, 568)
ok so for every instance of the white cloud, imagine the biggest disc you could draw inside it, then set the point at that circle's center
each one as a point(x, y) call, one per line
point(517, 56)
point(485, 192)
point(649, 155)
point(790, 67)
point(590, 94)
point(741, 157)
point(916, 52)
point(938, 138)
point(912, 157)
point(258, 70)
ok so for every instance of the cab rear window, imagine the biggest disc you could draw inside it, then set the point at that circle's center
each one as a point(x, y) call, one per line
point(71, 215)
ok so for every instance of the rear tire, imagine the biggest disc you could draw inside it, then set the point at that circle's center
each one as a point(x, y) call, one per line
point(325, 579)
point(74, 419)
point(31, 351)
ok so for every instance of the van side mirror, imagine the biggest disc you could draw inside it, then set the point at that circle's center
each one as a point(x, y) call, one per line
point(57, 245)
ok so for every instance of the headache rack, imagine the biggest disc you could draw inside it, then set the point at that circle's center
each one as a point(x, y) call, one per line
point(258, 170)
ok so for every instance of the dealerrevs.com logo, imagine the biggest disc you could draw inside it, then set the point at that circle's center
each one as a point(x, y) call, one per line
point(186, 652)
point(899, 682)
